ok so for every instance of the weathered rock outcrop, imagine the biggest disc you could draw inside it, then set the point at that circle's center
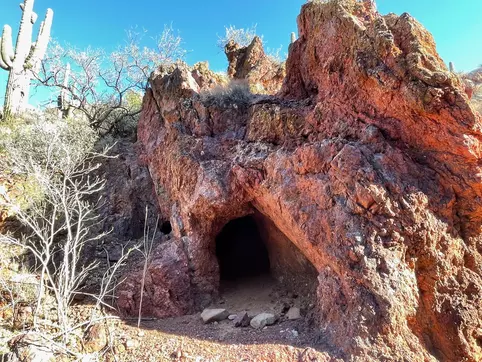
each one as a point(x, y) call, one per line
point(368, 161)
point(263, 73)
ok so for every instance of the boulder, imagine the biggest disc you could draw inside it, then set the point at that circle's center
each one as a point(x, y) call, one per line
point(214, 315)
point(22, 316)
point(96, 337)
point(167, 290)
point(262, 320)
point(32, 347)
point(263, 73)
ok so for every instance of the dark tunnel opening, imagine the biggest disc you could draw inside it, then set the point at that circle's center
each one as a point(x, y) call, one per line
point(166, 227)
point(241, 251)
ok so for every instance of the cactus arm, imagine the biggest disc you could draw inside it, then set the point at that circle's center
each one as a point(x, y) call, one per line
point(7, 54)
point(34, 14)
point(23, 61)
point(3, 65)
point(24, 39)
point(293, 37)
point(43, 38)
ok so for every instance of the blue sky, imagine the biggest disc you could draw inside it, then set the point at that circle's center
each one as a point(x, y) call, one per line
point(456, 25)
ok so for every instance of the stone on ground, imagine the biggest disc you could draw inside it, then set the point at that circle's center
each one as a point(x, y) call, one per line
point(242, 320)
point(31, 347)
point(95, 338)
point(293, 313)
point(214, 315)
point(262, 320)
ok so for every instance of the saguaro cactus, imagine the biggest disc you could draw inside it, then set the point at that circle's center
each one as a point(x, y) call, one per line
point(452, 67)
point(24, 61)
point(63, 102)
point(293, 38)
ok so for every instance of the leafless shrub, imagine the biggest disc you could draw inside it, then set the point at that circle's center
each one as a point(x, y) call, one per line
point(104, 88)
point(58, 157)
point(241, 36)
point(477, 98)
point(276, 56)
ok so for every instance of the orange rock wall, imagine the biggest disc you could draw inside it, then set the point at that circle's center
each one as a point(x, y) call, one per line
point(367, 160)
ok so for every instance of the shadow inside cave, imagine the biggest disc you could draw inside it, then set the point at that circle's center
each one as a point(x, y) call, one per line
point(240, 250)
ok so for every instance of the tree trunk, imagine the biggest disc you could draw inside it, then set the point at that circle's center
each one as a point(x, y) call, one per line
point(17, 94)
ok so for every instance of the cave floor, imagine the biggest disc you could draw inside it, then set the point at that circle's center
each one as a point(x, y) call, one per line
point(259, 294)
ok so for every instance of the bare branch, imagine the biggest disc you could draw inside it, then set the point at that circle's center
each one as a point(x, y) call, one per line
point(106, 88)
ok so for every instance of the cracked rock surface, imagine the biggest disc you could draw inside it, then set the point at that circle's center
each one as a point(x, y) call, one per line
point(367, 162)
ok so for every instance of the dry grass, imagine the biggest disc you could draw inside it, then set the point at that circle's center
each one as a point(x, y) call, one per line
point(477, 98)
point(236, 94)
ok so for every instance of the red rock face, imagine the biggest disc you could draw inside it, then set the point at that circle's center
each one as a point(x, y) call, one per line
point(263, 73)
point(167, 290)
point(368, 161)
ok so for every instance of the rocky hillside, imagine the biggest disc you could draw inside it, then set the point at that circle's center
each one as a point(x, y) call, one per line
point(365, 168)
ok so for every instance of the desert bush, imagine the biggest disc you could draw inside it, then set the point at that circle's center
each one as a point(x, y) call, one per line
point(276, 56)
point(236, 94)
point(241, 36)
point(57, 156)
point(477, 99)
point(37, 149)
point(17, 283)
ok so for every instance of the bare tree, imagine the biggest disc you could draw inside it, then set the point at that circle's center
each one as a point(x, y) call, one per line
point(57, 158)
point(100, 84)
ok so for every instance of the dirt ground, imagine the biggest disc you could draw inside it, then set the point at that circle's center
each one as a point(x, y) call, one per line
point(187, 338)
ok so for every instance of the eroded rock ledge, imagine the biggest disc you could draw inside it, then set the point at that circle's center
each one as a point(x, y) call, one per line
point(368, 161)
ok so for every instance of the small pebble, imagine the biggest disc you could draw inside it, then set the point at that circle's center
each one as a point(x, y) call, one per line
point(130, 344)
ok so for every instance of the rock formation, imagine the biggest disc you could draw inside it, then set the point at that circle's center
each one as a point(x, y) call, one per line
point(263, 73)
point(366, 165)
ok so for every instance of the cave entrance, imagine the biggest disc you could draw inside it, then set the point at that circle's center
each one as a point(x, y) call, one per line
point(241, 251)
point(261, 269)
